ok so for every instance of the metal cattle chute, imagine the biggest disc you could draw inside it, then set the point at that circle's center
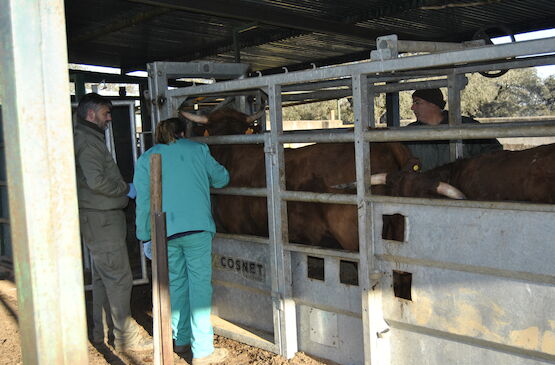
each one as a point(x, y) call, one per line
point(471, 283)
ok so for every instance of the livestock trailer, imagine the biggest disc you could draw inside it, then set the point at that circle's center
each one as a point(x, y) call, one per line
point(471, 282)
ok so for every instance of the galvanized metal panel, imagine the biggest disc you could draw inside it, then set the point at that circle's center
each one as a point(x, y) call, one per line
point(426, 349)
point(480, 277)
point(504, 240)
point(249, 265)
point(490, 312)
point(243, 307)
point(342, 342)
point(315, 292)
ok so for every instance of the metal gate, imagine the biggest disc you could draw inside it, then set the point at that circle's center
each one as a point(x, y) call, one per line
point(472, 282)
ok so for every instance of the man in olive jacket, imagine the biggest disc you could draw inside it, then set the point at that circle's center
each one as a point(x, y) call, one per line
point(102, 195)
point(427, 106)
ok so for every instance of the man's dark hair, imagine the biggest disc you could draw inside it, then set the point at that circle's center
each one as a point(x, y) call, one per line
point(91, 101)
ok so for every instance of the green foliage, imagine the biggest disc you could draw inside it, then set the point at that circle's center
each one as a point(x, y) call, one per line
point(550, 93)
point(320, 111)
point(520, 92)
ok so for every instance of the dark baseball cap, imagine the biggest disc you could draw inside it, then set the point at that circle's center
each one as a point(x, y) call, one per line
point(434, 96)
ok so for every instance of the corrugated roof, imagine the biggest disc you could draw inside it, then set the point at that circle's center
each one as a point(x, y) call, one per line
point(274, 34)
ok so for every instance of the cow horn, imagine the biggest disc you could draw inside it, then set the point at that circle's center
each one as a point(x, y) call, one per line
point(449, 191)
point(203, 119)
point(378, 179)
point(252, 118)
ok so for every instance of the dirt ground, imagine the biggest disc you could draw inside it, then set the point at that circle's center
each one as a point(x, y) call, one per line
point(240, 354)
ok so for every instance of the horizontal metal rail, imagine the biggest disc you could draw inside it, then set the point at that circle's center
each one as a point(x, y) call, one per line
point(539, 128)
point(344, 92)
point(326, 308)
point(320, 251)
point(237, 139)
point(294, 247)
point(460, 69)
point(428, 133)
point(474, 269)
point(473, 55)
point(306, 196)
point(472, 341)
point(501, 205)
point(301, 196)
point(244, 238)
point(467, 131)
point(345, 81)
point(326, 198)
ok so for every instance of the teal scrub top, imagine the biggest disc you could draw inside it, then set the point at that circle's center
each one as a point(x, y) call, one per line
point(188, 173)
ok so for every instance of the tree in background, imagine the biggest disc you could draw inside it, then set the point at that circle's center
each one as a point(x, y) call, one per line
point(518, 93)
point(550, 98)
point(320, 111)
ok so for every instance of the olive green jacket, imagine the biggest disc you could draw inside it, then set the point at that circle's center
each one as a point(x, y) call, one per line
point(436, 153)
point(100, 185)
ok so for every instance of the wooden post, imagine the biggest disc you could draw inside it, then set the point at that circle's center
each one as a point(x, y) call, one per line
point(161, 308)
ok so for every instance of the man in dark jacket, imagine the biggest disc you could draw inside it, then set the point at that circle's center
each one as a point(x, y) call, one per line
point(428, 106)
point(102, 195)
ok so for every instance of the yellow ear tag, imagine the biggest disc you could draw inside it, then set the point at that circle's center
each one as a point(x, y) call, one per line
point(416, 167)
point(206, 134)
point(249, 131)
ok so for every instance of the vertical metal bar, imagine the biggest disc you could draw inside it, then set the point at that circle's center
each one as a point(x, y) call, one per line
point(39, 152)
point(236, 47)
point(79, 83)
point(142, 142)
point(455, 85)
point(157, 86)
point(285, 323)
point(109, 135)
point(133, 130)
point(371, 298)
point(145, 107)
point(392, 109)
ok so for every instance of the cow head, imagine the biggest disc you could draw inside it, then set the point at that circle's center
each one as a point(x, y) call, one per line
point(416, 185)
point(225, 121)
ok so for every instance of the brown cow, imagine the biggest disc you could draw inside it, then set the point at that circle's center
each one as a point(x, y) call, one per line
point(526, 175)
point(316, 168)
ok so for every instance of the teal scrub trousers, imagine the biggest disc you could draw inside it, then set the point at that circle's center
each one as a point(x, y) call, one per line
point(190, 274)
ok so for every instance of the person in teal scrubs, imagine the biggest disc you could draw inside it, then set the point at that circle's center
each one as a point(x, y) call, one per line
point(188, 173)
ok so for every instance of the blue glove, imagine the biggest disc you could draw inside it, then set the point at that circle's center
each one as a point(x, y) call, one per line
point(147, 249)
point(132, 192)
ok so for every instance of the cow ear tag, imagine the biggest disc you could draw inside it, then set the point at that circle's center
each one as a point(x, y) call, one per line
point(416, 167)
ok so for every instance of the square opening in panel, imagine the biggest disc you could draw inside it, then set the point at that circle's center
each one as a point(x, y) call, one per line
point(348, 272)
point(315, 268)
point(393, 227)
point(402, 282)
